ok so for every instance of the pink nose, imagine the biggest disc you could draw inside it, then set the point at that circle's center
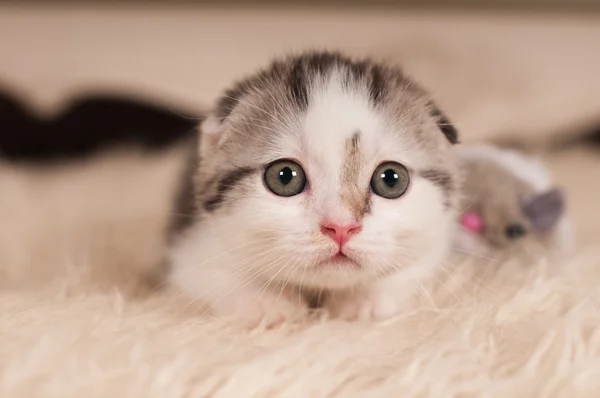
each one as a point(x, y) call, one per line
point(340, 233)
point(473, 222)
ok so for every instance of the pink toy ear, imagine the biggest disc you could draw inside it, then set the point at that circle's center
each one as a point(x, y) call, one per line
point(472, 222)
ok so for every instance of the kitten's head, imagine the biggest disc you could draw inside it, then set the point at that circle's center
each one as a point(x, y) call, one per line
point(325, 171)
point(509, 203)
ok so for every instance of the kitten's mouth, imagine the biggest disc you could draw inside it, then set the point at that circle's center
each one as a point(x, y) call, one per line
point(340, 260)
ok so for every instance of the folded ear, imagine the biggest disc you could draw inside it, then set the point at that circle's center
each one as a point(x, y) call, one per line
point(545, 210)
point(211, 133)
point(444, 124)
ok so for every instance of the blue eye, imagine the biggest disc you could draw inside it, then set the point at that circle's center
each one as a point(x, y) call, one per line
point(285, 178)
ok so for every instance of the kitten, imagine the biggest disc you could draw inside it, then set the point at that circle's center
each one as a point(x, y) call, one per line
point(510, 206)
point(318, 174)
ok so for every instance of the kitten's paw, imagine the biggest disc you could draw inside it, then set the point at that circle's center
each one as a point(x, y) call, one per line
point(267, 309)
point(365, 305)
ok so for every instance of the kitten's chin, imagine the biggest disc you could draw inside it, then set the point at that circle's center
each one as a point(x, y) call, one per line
point(335, 272)
point(338, 261)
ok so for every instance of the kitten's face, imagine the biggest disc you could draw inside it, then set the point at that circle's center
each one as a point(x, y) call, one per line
point(327, 179)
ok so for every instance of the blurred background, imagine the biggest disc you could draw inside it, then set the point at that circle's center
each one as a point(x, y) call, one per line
point(78, 79)
point(519, 70)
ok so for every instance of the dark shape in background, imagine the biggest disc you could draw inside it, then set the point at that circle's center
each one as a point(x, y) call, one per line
point(588, 137)
point(93, 123)
point(592, 137)
point(86, 126)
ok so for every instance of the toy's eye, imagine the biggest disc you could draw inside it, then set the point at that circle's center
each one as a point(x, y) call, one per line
point(285, 178)
point(390, 180)
point(515, 231)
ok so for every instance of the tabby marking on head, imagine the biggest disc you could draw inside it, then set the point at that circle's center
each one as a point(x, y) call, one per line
point(318, 173)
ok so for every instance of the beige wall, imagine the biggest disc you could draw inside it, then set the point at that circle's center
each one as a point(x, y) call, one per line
point(518, 74)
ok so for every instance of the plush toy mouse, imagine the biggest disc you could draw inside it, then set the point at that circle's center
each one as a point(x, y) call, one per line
point(509, 205)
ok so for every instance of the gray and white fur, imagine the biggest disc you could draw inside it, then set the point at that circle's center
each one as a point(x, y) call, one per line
point(319, 173)
point(523, 212)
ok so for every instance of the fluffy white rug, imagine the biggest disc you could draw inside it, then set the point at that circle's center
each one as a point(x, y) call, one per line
point(76, 318)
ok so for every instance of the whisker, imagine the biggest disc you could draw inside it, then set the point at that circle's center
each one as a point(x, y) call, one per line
point(476, 255)
point(300, 286)
point(288, 275)
point(265, 286)
point(242, 284)
point(228, 251)
point(240, 270)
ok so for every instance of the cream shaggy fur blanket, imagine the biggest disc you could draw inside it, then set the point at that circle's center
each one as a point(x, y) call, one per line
point(77, 320)
point(78, 243)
